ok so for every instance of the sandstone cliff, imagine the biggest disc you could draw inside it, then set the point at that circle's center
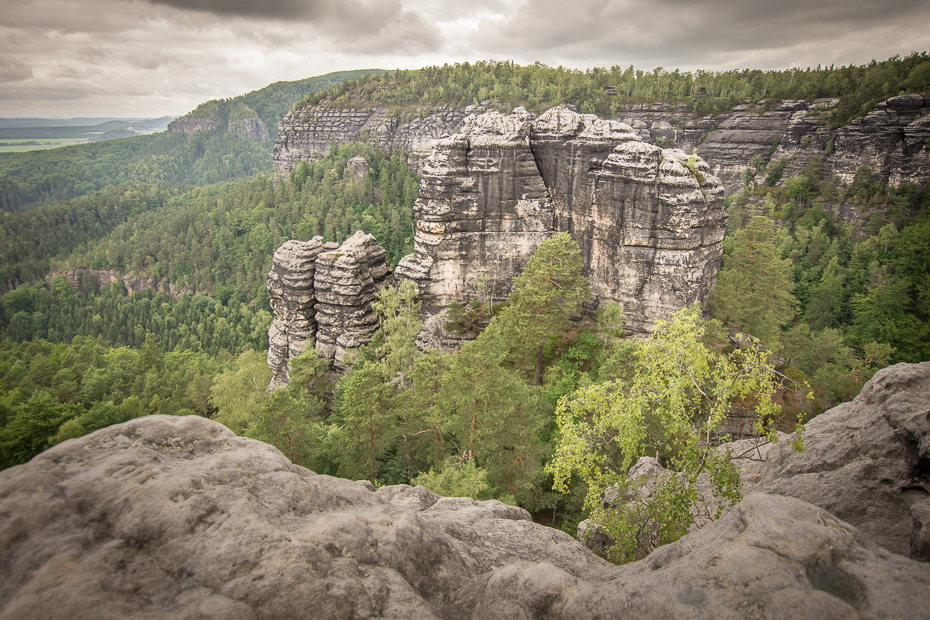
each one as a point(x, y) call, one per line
point(190, 126)
point(252, 128)
point(321, 296)
point(80, 279)
point(892, 140)
point(307, 132)
point(649, 221)
point(176, 517)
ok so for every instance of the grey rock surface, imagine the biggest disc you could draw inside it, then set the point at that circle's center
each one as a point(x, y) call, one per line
point(308, 132)
point(190, 126)
point(866, 461)
point(165, 517)
point(293, 300)
point(346, 282)
point(252, 128)
point(649, 221)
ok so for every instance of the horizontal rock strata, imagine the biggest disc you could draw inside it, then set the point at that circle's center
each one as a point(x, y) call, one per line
point(306, 133)
point(649, 221)
point(176, 517)
point(291, 290)
point(346, 282)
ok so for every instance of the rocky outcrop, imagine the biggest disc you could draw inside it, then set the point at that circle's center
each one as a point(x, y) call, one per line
point(292, 298)
point(252, 128)
point(649, 221)
point(190, 126)
point(321, 296)
point(866, 461)
point(86, 279)
point(346, 283)
point(892, 140)
point(308, 132)
point(176, 517)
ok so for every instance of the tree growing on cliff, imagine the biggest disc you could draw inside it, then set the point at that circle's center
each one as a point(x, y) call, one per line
point(671, 409)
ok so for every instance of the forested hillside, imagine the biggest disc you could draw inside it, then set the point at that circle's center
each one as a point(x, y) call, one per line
point(167, 159)
point(828, 281)
point(604, 91)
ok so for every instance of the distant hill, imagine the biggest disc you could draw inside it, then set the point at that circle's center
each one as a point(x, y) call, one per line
point(82, 121)
point(70, 128)
point(38, 177)
point(271, 103)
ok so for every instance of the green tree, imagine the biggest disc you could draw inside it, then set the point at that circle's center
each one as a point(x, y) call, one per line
point(754, 288)
point(671, 409)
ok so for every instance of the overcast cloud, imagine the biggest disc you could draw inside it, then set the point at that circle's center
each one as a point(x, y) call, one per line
point(158, 57)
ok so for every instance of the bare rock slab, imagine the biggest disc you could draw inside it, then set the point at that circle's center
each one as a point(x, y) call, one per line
point(165, 517)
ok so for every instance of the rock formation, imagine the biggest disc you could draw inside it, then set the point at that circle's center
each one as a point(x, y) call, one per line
point(346, 282)
point(311, 131)
point(649, 221)
point(190, 126)
point(252, 128)
point(891, 140)
point(176, 517)
point(322, 293)
point(292, 298)
point(866, 461)
point(82, 278)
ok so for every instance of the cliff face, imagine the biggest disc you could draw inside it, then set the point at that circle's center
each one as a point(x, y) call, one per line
point(649, 221)
point(891, 140)
point(81, 279)
point(252, 128)
point(189, 126)
point(308, 132)
point(321, 296)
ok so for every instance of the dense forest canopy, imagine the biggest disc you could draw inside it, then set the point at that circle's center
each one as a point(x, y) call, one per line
point(828, 281)
point(605, 91)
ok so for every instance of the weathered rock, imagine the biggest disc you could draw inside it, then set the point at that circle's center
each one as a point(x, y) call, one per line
point(649, 222)
point(891, 140)
point(308, 132)
point(346, 282)
point(866, 461)
point(190, 126)
point(84, 279)
point(482, 210)
point(291, 290)
point(252, 128)
point(165, 517)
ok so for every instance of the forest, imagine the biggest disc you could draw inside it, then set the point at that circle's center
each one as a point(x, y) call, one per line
point(829, 282)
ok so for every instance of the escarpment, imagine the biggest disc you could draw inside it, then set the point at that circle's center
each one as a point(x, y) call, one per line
point(321, 296)
point(649, 221)
point(892, 140)
point(307, 132)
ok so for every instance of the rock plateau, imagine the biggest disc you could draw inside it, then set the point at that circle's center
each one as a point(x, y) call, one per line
point(176, 517)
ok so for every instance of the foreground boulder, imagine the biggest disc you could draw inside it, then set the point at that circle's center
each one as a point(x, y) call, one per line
point(165, 517)
point(866, 461)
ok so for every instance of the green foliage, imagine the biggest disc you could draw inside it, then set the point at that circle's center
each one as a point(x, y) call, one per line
point(457, 480)
point(671, 409)
point(754, 288)
point(605, 91)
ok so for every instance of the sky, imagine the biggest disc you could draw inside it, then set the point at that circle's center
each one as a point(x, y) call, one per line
point(152, 58)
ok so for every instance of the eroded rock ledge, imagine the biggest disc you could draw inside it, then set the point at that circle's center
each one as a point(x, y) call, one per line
point(176, 517)
point(649, 221)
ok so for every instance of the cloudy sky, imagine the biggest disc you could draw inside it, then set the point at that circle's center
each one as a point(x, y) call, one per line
point(163, 57)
